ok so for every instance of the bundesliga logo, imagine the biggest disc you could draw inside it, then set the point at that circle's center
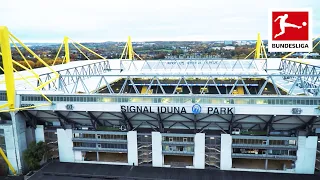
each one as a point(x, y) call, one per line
point(290, 30)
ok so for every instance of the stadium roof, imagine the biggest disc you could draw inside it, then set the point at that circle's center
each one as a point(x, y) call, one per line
point(160, 68)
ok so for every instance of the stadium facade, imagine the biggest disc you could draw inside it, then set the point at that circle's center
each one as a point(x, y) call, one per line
point(248, 114)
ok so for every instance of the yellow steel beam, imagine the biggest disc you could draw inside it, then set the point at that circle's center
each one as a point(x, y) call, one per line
point(124, 51)
point(264, 50)
point(312, 48)
point(35, 88)
point(89, 50)
point(130, 49)
point(137, 56)
point(80, 51)
point(8, 69)
point(8, 162)
point(20, 52)
point(39, 59)
point(250, 54)
point(258, 47)
point(287, 55)
point(7, 65)
point(66, 49)
point(309, 52)
point(55, 59)
point(34, 54)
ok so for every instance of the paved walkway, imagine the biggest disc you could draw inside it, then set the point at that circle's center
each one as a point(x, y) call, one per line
point(76, 171)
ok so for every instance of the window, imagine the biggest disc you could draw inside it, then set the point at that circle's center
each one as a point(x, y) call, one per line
point(2, 141)
point(180, 148)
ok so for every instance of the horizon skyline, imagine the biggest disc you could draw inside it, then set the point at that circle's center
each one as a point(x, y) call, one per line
point(57, 42)
point(180, 20)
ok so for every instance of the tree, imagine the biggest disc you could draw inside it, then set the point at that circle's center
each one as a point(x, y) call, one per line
point(34, 154)
point(38, 64)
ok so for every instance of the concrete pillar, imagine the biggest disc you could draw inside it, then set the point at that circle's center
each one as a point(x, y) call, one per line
point(157, 157)
point(77, 156)
point(132, 139)
point(39, 133)
point(199, 151)
point(65, 145)
point(225, 153)
point(306, 154)
point(10, 145)
point(19, 138)
point(30, 135)
point(267, 152)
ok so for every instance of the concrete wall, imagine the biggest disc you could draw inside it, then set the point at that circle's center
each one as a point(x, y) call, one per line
point(65, 145)
point(157, 157)
point(39, 133)
point(226, 150)
point(199, 151)
point(306, 154)
point(132, 148)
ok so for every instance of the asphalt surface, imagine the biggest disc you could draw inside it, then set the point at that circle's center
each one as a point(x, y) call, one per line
point(76, 171)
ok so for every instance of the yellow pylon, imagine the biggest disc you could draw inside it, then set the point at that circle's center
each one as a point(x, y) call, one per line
point(260, 49)
point(7, 67)
point(128, 51)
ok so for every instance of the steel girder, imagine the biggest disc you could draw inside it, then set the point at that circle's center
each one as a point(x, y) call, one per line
point(159, 81)
point(174, 65)
point(69, 76)
point(309, 74)
point(190, 122)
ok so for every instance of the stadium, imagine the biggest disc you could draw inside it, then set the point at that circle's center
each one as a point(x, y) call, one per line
point(259, 114)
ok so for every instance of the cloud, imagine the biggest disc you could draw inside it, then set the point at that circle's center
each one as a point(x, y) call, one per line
point(102, 20)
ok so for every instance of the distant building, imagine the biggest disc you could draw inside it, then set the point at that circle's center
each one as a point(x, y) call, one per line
point(229, 48)
point(228, 42)
point(216, 48)
point(306, 54)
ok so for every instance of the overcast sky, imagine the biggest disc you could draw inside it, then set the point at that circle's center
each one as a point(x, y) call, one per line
point(144, 20)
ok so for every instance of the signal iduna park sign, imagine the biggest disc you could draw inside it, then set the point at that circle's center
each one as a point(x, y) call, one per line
point(195, 109)
point(290, 30)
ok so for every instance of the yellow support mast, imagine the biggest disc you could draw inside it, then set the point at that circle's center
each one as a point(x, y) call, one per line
point(7, 66)
point(128, 51)
point(65, 43)
point(259, 50)
point(258, 47)
point(8, 69)
point(66, 49)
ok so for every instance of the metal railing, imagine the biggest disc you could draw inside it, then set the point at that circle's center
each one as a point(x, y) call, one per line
point(261, 146)
point(263, 156)
point(194, 65)
point(92, 140)
point(187, 153)
point(167, 99)
point(100, 149)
